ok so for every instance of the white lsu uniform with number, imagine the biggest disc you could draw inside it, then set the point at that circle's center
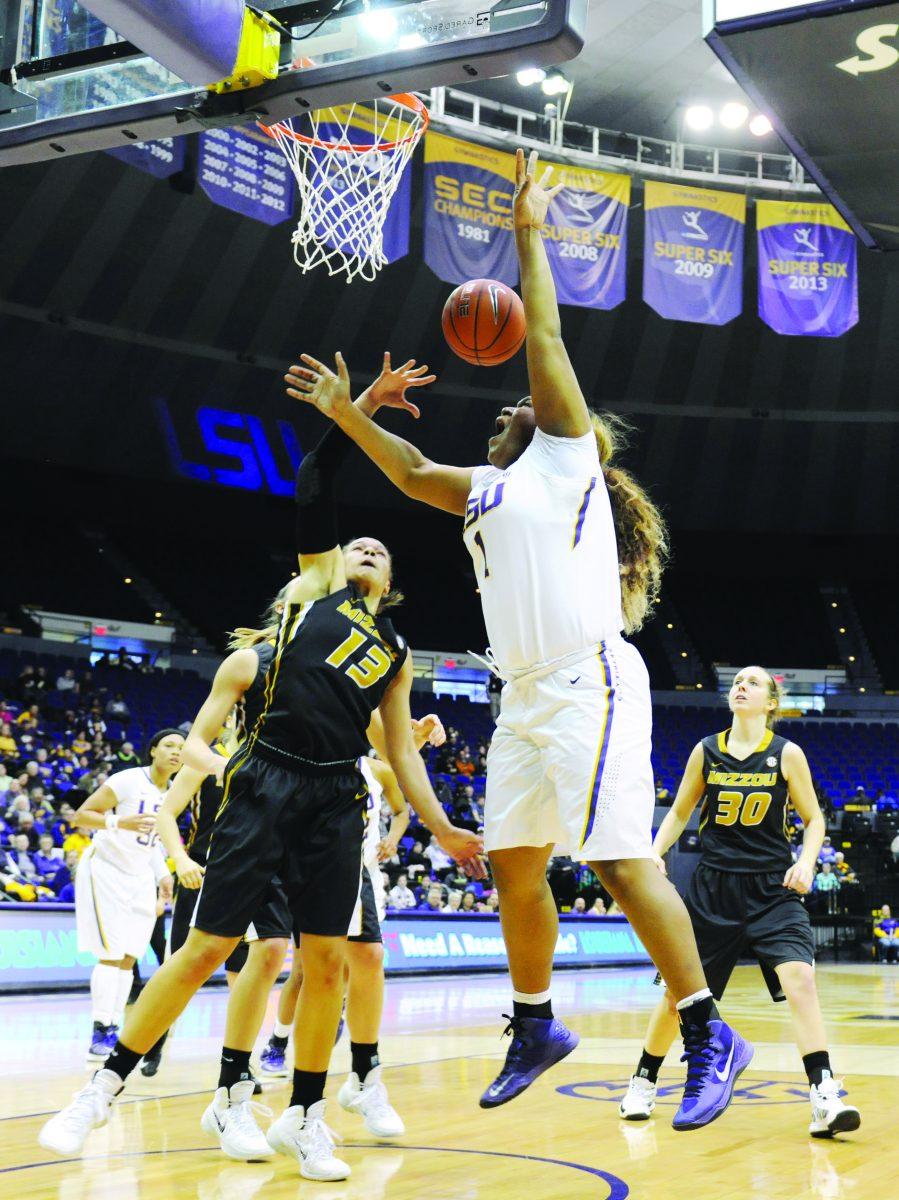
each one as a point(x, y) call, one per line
point(115, 885)
point(570, 759)
point(370, 862)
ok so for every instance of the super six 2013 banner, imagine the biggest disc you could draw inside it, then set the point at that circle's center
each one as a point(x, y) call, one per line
point(808, 280)
point(693, 259)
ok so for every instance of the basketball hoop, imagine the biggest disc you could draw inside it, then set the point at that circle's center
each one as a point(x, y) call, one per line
point(346, 185)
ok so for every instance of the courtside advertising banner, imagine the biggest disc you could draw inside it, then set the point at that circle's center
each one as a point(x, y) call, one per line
point(586, 236)
point(468, 211)
point(808, 278)
point(693, 258)
point(359, 175)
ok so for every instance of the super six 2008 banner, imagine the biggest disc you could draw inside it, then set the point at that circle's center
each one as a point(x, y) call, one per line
point(468, 222)
point(693, 260)
point(808, 282)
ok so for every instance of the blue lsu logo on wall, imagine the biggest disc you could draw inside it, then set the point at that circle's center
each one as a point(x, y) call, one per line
point(237, 449)
point(483, 502)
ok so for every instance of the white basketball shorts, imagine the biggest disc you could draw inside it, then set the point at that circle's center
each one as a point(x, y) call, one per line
point(114, 912)
point(570, 759)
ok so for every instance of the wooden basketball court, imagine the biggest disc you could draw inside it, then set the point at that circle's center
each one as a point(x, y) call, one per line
point(442, 1045)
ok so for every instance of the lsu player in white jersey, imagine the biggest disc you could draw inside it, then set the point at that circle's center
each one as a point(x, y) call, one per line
point(117, 880)
point(568, 551)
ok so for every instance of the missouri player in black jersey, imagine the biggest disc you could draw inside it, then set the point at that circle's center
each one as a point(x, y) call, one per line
point(292, 813)
point(744, 896)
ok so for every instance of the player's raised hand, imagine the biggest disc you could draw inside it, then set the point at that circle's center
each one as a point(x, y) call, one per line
point(467, 849)
point(799, 878)
point(318, 385)
point(429, 730)
point(389, 389)
point(532, 197)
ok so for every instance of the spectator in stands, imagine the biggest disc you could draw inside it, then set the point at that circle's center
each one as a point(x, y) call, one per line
point(437, 857)
point(827, 853)
point(579, 908)
point(66, 682)
point(886, 935)
point(33, 776)
point(5, 779)
point(117, 709)
point(598, 908)
point(415, 860)
point(842, 868)
point(400, 895)
point(453, 903)
point(8, 746)
point(490, 903)
point(663, 797)
point(48, 858)
point(126, 757)
point(77, 841)
point(19, 802)
point(96, 726)
point(64, 823)
point(469, 903)
point(18, 860)
point(28, 827)
point(433, 902)
point(44, 766)
point(464, 764)
point(67, 892)
point(828, 882)
point(26, 682)
point(80, 743)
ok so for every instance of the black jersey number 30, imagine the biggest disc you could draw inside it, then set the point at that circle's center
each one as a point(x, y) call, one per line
point(749, 809)
point(370, 668)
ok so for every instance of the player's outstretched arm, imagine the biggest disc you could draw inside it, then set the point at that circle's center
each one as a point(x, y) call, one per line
point(801, 876)
point(399, 809)
point(184, 787)
point(559, 404)
point(688, 796)
point(465, 847)
point(404, 465)
point(234, 676)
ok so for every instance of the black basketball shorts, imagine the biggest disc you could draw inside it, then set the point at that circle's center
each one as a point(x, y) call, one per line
point(365, 924)
point(182, 914)
point(737, 915)
point(282, 833)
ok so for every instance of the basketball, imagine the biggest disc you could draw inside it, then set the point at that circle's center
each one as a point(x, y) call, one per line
point(483, 322)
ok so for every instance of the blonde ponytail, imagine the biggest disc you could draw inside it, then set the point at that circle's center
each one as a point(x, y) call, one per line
point(640, 529)
point(243, 636)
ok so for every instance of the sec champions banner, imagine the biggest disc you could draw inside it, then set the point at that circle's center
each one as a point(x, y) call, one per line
point(586, 236)
point(693, 260)
point(808, 277)
point(468, 211)
point(362, 129)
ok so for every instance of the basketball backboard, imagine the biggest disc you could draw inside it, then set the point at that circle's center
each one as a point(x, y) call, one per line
point(70, 84)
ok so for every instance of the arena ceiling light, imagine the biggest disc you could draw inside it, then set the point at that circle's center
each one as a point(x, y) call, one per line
point(733, 115)
point(411, 41)
point(378, 23)
point(699, 117)
point(555, 84)
point(530, 75)
point(760, 126)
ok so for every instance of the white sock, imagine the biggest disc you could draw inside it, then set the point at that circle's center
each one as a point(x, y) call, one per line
point(126, 979)
point(282, 1030)
point(688, 1000)
point(104, 991)
point(532, 997)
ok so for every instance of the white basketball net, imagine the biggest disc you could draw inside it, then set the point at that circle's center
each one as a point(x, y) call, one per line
point(346, 186)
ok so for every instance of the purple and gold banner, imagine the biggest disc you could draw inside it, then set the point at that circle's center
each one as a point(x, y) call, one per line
point(586, 236)
point(161, 158)
point(693, 259)
point(808, 278)
point(468, 211)
point(243, 170)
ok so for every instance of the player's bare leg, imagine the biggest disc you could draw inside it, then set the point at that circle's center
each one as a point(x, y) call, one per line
point(829, 1114)
point(160, 1003)
point(530, 926)
point(640, 1099)
point(301, 1131)
point(230, 1117)
point(364, 1091)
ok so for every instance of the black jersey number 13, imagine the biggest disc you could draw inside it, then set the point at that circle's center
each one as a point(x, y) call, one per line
point(370, 668)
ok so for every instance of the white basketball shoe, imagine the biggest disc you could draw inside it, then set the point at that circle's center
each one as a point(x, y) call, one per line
point(369, 1100)
point(67, 1132)
point(639, 1100)
point(305, 1137)
point(231, 1118)
point(829, 1114)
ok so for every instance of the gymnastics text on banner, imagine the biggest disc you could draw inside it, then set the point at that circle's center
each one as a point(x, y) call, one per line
point(337, 172)
point(586, 236)
point(693, 257)
point(808, 276)
point(468, 211)
point(243, 170)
